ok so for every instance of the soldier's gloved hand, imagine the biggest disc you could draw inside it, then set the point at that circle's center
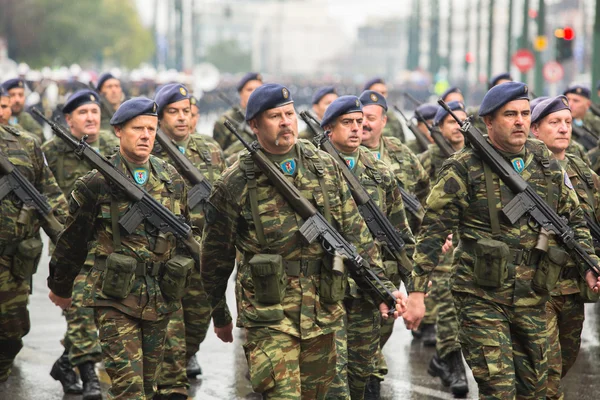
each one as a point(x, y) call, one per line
point(60, 301)
point(225, 333)
point(447, 246)
point(400, 306)
point(592, 281)
point(415, 310)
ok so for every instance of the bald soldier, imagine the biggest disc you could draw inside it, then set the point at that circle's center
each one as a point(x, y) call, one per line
point(21, 118)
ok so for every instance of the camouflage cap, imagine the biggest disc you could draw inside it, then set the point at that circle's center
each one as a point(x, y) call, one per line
point(265, 97)
point(170, 93)
point(80, 98)
point(322, 92)
point(441, 113)
point(132, 108)
point(549, 106)
point(579, 90)
point(340, 106)
point(501, 94)
point(369, 97)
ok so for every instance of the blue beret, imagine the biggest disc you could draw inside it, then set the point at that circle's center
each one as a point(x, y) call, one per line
point(369, 97)
point(340, 106)
point(501, 94)
point(452, 89)
point(132, 108)
point(250, 76)
point(427, 111)
point(3, 92)
point(499, 77)
point(14, 83)
point(103, 78)
point(79, 98)
point(549, 106)
point(322, 92)
point(265, 97)
point(194, 101)
point(533, 103)
point(372, 82)
point(580, 90)
point(171, 93)
point(442, 113)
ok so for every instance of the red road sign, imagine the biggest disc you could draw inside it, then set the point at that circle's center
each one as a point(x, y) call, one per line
point(523, 59)
point(553, 71)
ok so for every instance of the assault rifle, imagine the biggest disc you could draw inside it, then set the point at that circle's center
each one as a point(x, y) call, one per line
point(13, 181)
point(584, 136)
point(317, 227)
point(421, 139)
point(144, 206)
point(411, 203)
point(201, 187)
point(526, 201)
point(239, 125)
point(437, 137)
point(412, 99)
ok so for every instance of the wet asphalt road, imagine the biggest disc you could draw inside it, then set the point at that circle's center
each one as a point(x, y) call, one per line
point(224, 365)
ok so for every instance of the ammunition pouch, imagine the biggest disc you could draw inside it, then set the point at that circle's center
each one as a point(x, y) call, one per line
point(549, 270)
point(176, 277)
point(269, 278)
point(26, 258)
point(334, 281)
point(119, 275)
point(491, 262)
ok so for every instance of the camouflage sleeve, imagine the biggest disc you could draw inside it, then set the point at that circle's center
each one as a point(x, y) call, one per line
point(71, 247)
point(219, 157)
point(220, 133)
point(47, 185)
point(421, 179)
point(445, 206)
point(218, 249)
point(32, 127)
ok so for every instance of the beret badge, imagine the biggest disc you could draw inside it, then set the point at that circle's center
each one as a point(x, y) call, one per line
point(285, 93)
point(182, 91)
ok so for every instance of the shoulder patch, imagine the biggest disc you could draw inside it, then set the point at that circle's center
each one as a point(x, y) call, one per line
point(451, 186)
point(568, 181)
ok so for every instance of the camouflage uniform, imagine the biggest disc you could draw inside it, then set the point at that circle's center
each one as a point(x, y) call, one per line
point(502, 328)
point(19, 226)
point(225, 138)
point(477, 121)
point(393, 127)
point(359, 340)
point(132, 330)
point(26, 121)
point(188, 326)
point(565, 309)
point(290, 345)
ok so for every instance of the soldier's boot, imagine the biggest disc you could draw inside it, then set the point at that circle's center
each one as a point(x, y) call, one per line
point(458, 377)
point(439, 368)
point(91, 384)
point(373, 389)
point(428, 335)
point(193, 369)
point(62, 371)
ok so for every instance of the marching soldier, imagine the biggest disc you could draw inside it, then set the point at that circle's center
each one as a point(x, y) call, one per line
point(110, 88)
point(21, 118)
point(393, 126)
point(321, 99)
point(424, 116)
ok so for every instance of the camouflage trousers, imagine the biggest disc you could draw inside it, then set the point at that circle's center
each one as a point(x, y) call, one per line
point(285, 367)
point(196, 314)
point(565, 322)
point(447, 323)
point(14, 318)
point(358, 344)
point(81, 339)
point(173, 377)
point(505, 347)
point(132, 350)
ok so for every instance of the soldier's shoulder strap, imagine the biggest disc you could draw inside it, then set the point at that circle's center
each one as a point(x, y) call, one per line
point(12, 130)
point(581, 169)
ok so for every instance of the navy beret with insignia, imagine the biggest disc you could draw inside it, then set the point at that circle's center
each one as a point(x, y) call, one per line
point(322, 92)
point(80, 98)
point(369, 97)
point(442, 113)
point(250, 76)
point(132, 108)
point(103, 78)
point(452, 89)
point(501, 94)
point(171, 93)
point(340, 106)
point(580, 90)
point(265, 97)
point(533, 103)
point(14, 84)
point(494, 81)
point(549, 106)
point(194, 101)
point(426, 111)
point(372, 82)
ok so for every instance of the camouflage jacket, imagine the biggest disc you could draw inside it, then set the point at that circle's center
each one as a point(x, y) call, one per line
point(225, 138)
point(408, 171)
point(432, 161)
point(18, 222)
point(230, 225)
point(592, 122)
point(459, 203)
point(393, 127)
point(26, 121)
point(66, 166)
point(89, 229)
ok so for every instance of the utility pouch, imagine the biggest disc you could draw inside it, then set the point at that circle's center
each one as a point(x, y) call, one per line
point(269, 278)
point(119, 275)
point(548, 270)
point(491, 263)
point(25, 260)
point(334, 281)
point(176, 278)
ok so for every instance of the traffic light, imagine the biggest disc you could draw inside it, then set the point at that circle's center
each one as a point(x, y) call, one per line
point(564, 43)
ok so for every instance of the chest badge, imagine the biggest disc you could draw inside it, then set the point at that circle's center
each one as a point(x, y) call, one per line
point(568, 181)
point(350, 162)
point(518, 164)
point(377, 154)
point(140, 175)
point(181, 149)
point(288, 166)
